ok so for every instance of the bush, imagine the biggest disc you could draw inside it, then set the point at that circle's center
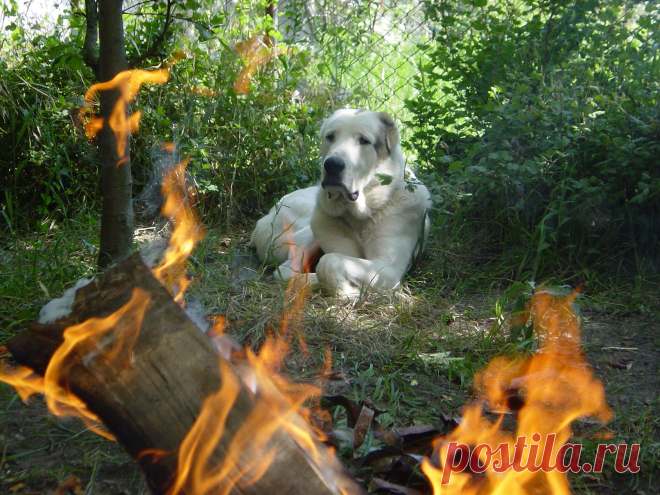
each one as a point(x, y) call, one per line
point(246, 150)
point(539, 121)
point(45, 164)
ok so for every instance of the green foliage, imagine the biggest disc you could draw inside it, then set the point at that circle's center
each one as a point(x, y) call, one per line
point(363, 53)
point(245, 150)
point(45, 164)
point(539, 122)
point(39, 266)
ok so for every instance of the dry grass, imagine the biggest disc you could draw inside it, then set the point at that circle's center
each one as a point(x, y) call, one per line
point(379, 344)
point(412, 352)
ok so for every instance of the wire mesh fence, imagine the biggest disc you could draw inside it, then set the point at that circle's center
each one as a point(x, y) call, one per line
point(361, 54)
point(366, 53)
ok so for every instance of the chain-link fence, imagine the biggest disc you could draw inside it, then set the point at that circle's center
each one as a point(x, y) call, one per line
point(366, 53)
point(362, 54)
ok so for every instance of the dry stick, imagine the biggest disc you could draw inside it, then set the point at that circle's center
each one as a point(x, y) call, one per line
point(153, 399)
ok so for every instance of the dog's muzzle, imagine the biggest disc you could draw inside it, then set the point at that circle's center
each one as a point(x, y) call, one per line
point(334, 167)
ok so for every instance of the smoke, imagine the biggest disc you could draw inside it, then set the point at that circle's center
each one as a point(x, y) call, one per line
point(152, 249)
point(197, 314)
point(59, 308)
point(149, 202)
point(147, 205)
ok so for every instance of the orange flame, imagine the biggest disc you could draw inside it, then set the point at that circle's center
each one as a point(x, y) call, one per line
point(199, 90)
point(94, 338)
point(129, 83)
point(250, 452)
point(275, 402)
point(556, 386)
point(22, 378)
point(188, 231)
point(276, 406)
point(169, 146)
point(255, 52)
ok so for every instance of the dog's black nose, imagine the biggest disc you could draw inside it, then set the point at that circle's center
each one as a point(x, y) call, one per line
point(333, 165)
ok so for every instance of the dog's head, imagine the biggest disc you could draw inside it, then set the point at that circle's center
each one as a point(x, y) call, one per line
point(355, 146)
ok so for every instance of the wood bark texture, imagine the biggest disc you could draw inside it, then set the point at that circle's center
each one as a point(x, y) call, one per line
point(151, 400)
point(116, 239)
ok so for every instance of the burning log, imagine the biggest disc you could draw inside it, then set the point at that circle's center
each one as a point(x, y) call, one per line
point(149, 376)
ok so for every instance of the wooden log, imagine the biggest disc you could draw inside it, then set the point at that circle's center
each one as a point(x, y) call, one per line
point(150, 395)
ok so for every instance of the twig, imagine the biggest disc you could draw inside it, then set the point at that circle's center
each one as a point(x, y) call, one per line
point(161, 37)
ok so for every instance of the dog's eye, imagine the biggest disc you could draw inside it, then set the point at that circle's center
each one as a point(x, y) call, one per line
point(363, 141)
point(330, 137)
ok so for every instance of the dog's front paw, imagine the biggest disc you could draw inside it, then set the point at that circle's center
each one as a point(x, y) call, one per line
point(285, 273)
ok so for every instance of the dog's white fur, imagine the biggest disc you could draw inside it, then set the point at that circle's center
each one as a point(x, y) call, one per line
point(368, 231)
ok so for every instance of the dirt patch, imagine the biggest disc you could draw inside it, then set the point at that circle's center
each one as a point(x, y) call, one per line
point(40, 452)
point(625, 353)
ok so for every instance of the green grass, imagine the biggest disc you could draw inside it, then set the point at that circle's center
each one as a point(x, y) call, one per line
point(39, 266)
point(413, 353)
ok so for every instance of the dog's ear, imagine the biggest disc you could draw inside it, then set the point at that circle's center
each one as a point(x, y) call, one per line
point(390, 134)
point(324, 122)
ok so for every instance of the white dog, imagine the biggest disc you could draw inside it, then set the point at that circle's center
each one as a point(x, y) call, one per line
point(368, 227)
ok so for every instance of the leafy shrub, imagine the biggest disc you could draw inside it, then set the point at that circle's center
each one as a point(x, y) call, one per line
point(45, 164)
point(539, 121)
point(246, 150)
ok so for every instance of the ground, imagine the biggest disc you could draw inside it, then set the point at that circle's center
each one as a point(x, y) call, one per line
point(412, 354)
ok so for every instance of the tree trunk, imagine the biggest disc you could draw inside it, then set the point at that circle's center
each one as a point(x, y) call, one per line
point(91, 44)
point(116, 183)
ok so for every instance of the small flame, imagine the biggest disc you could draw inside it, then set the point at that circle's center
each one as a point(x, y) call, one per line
point(199, 90)
point(250, 453)
point(188, 231)
point(557, 386)
point(94, 338)
point(255, 52)
point(129, 83)
point(169, 146)
point(218, 329)
point(276, 407)
point(22, 378)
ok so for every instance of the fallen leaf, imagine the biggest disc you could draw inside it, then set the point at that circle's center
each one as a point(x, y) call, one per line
point(362, 428)
point(16, 487)
point(320, 419)
point(353, 409)
point(619, 363)
point(416, 430)
point(388, 437)
point(73, 484)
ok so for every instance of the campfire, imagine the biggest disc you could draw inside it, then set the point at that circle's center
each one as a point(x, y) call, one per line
point(200, 415)
point(544, 394)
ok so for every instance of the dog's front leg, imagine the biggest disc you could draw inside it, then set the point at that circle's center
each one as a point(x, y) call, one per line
point(285, 272)
point(352, 276)
point(384, 260)
point(298, 264)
